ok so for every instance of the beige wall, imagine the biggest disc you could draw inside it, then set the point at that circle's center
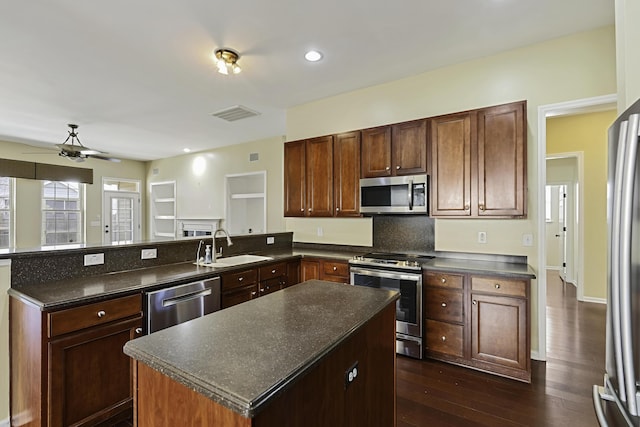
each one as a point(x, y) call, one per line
point(628, 60)
point(587, 133)
point(574, 67)
point(202, 196)
point(28, 191)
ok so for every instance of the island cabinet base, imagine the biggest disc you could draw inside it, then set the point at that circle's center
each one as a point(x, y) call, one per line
point(319, 397)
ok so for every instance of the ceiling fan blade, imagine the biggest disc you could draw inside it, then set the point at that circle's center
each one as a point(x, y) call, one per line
point(97, 156)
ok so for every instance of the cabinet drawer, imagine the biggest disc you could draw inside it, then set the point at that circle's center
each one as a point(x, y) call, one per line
point(241, 278)
point(446, 280)
point(239, 295)
point(517, 288)
point(74, 319)
point(335, 268)
point(444, 338)
point(444, 305)
point(273, 270)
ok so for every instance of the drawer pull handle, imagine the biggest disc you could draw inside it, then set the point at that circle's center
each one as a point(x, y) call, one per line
point(101, 314)
point(273, 271)
point(240, 279)
point(335, 268)
point(444, 304)
point(443, 280)
point(497, 285)
point(444, 338)
point(138, 330)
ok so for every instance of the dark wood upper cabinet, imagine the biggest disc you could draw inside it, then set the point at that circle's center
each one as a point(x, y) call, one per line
point(376, 152)
point(308, 177)
point(451, 165)
point(478, 163)
point(294, 179)
point(409, 148)
point(346, 174)
point(502, 160)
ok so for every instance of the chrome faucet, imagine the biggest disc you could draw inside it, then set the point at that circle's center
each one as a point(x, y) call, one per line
point(215, 254)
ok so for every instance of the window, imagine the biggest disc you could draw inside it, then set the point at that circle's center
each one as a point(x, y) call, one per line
point(62, 212)
point(5, 212)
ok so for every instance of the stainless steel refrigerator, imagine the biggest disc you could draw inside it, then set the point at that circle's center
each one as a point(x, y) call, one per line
point(617, 402)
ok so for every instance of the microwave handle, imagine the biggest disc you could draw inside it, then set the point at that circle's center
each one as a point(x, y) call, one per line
point(410, 194)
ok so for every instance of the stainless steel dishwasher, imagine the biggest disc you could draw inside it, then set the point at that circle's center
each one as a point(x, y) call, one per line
point(171, 306)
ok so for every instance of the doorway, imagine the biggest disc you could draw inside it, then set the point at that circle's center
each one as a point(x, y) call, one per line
point(121, 211)
point(559, 258)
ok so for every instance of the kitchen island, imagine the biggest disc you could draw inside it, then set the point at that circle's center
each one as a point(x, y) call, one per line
point(314, 354)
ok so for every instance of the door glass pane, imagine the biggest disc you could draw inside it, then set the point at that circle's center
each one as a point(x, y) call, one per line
point(122, 223)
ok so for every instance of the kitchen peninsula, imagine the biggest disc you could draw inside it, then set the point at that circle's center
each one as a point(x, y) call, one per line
point(314, 354)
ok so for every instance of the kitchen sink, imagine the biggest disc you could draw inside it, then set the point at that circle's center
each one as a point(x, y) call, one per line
point(236, 260)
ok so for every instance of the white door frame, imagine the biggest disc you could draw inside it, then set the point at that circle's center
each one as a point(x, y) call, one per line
point(544, 111)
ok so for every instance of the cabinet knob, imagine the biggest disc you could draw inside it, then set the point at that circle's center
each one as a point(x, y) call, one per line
point(302, 210)
point(261, 290)
point(443, 338)
point(335, 268)
point(497, 285)
point(387, 168)
point(443, 280)
point(466, 207)
point(398, 167)
point(310, 209)
point(253, 294)
point(475, 302)
point(240, 279)
point(138, 330)
point(273, 271)
point(481, 207)
point(444, 304)
point(101, 313)
point(337, 209)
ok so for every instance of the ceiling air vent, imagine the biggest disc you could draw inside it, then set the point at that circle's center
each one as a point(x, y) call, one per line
point(237, 112)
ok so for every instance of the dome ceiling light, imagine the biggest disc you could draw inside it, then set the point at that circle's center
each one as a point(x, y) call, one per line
point(226, 61)
point(313, 56)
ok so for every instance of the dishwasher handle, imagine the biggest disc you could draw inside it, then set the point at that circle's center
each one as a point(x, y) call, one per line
point(186, 297)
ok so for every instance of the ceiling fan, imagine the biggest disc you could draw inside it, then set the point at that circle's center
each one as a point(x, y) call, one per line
point(73, 149)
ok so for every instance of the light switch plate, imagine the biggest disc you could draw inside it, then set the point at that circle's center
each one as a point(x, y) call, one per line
point(482, 237)
point(149, 253)
point(93, 259)
point(527, 240)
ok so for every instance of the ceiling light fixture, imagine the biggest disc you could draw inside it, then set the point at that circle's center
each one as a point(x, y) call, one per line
point(313, 56)
point(226, 61)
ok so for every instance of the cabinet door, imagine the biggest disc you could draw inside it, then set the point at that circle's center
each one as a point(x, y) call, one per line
point(499, 330)
point(409, 148)
point(346, 170)
point(502, 170)
point(293, 273)
point(376, 152)
point(294, 178)
point(319, 160)
point(451, 165)
point(90, 378)
point(309, 269)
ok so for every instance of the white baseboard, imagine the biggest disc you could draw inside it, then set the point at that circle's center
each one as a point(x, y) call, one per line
point(595, 300)
point(4, 423)
point(552, 267)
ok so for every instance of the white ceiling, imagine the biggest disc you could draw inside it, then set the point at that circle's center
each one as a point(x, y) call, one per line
point(137, 75)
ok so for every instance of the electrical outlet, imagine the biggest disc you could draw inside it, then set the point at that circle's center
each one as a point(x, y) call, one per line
point(149, 253)
point(527, 240)
point(320, 231)
point(350, 375)
point(482, 237)
point(271, 240)
point(93, 259)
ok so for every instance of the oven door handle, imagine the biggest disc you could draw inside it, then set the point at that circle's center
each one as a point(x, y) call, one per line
point(410, 194)
point(184, 298)
point(386, 275)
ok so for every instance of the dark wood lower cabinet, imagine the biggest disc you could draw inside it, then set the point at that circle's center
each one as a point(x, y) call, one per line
point(67, 367)
point(324, 269)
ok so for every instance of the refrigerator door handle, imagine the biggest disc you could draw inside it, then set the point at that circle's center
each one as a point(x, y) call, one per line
point(613, 311)
point(626, 216)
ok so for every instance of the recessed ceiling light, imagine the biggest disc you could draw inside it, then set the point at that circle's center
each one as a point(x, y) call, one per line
point(313, 56)
point(186, 150)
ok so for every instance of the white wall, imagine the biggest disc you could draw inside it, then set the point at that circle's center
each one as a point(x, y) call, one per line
point(573, 67)
point(627, 44)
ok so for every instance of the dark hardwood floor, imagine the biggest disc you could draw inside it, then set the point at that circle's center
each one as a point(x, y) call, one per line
point(431, 393)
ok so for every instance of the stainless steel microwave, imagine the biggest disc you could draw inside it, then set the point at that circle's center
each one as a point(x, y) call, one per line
point(394, 195)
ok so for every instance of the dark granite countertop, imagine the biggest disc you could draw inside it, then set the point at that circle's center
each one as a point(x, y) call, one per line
point(227, 358)
point(480, 267)
point(60, 294)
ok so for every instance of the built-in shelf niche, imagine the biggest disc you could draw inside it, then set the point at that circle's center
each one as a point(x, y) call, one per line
point(246, 203)
point(163, 209)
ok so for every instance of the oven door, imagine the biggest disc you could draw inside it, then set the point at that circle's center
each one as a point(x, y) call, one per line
point(408, 306)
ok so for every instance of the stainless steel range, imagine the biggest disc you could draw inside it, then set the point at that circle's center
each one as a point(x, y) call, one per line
point(398, 272)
